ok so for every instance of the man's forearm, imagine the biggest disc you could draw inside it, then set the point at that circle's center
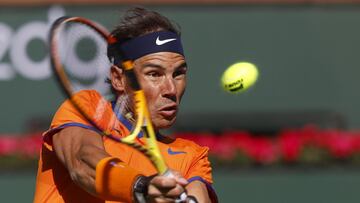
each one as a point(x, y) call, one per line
point(80, 150)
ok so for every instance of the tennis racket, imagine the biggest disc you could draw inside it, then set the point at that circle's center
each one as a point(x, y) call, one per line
point(79, 61)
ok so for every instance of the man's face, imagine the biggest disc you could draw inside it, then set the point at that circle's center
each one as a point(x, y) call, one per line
point(162, 76)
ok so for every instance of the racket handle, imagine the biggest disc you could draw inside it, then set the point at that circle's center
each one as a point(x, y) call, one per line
point(183, 198)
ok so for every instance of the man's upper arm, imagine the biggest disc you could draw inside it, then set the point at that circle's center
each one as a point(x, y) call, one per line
point(200, 167)
point(73, 143)
point(200, 177)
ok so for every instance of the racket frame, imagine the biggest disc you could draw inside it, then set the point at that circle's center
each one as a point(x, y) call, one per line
point(143, 121)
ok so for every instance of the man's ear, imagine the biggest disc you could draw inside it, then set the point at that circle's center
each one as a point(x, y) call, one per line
point(117, 78)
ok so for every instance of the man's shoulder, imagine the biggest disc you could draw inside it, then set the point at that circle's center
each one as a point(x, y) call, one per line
point(188, 145)
point(87, 94)
point(185, 142)
point(89, 98)
point(86, 98)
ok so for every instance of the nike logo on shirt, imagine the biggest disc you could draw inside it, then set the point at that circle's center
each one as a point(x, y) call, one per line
point(171, 152)
point(161, 42)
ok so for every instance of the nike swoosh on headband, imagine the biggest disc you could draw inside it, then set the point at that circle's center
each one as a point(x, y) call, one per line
point(161, 42)
point(171, 152)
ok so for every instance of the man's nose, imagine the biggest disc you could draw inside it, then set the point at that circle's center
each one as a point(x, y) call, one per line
point(169, 89)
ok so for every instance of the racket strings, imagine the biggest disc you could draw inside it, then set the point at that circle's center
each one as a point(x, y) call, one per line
point(123, 108)
point(83, 56)
point(143, 150)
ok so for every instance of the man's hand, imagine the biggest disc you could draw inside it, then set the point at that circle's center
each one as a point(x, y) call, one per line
point(166, 189)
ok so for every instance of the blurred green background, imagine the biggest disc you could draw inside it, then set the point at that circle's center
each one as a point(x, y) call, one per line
point(307, 56)
point(256, 186)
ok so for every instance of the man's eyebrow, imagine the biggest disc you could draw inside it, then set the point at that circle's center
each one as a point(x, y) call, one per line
point(154, 65)
point(183, 65)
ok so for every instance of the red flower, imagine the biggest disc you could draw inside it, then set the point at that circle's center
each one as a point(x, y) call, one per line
point(356, 142)
point(290, 145)
point(30, 145)
point(263, 150)
point(8, 145)
point(339, 143)
point(240, 140)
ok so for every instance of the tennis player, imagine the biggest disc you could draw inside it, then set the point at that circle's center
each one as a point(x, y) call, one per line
point(79, 165)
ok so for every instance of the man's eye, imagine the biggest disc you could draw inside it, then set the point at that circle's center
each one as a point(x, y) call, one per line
point(180, 72)
point(153, 74)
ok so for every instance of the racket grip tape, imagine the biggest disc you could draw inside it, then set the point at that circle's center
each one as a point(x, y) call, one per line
point(184, 197)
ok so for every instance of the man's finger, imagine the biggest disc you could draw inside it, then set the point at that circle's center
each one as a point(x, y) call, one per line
point(175, 192)
point(179, 178)
point(164, 182)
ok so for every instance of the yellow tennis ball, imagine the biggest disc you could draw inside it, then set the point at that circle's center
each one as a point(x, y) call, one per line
point(239, 77)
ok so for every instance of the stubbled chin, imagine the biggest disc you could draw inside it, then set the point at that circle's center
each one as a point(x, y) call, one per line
point(164, 123)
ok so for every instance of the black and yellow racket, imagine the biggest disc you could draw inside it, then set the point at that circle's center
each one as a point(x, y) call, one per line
point(79, 60)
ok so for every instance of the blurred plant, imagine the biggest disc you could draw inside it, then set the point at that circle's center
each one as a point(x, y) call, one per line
point(17, 151)
point(306, 146)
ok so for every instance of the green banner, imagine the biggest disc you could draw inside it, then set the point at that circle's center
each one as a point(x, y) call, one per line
point(307, 58)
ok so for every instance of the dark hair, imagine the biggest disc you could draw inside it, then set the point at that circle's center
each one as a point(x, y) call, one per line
point(137, 22)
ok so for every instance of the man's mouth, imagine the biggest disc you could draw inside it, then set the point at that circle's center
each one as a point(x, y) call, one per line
point(169, 111)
